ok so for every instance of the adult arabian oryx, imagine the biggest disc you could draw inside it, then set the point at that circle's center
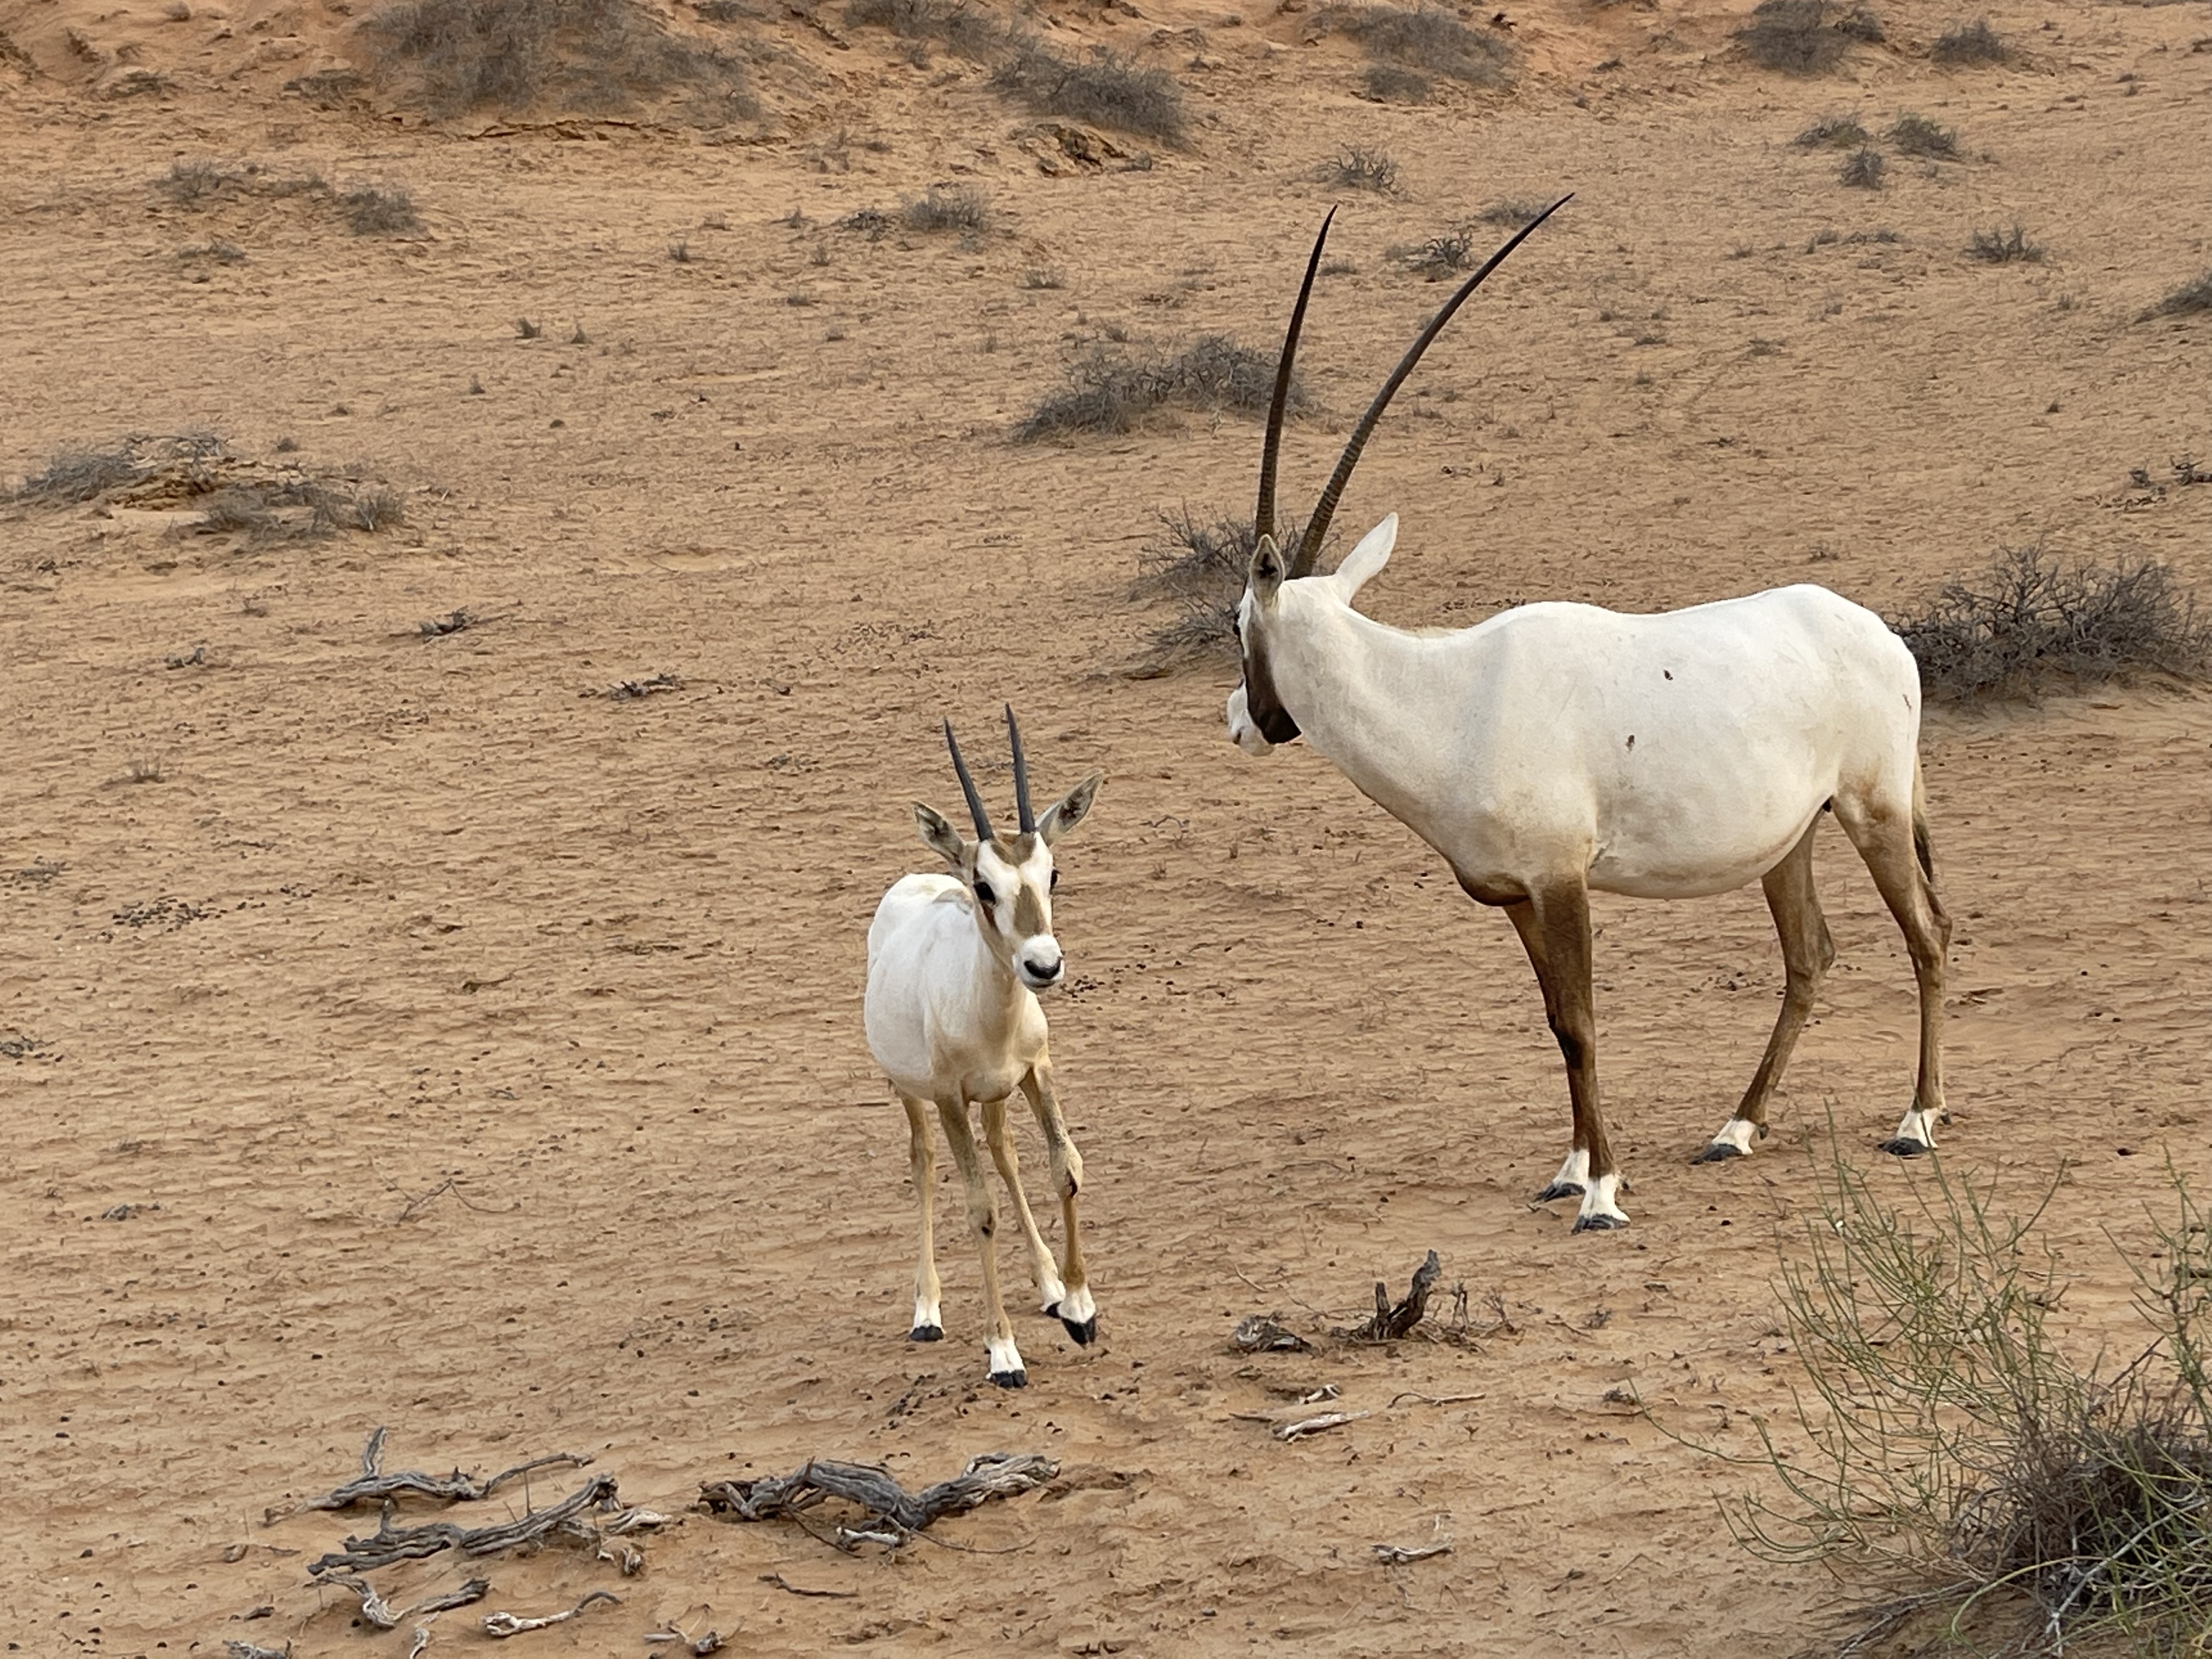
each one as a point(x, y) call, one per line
point(955, 962)
point(1559, 748)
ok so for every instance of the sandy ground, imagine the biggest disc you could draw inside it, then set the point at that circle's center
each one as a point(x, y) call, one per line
point(482, 1057)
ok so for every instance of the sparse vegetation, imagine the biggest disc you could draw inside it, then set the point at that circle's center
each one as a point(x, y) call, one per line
point(217, 251)
point(1969, 43)
point(1510, 214)
point(2001, 246)
point(585, 55)
point(2188, 300)
point(948, 207)
point(81, 474)
point(233, 496)
point(1440, 256)
point(1834, 132)
point(1804, 37)
point(1107, 89)
point(1958, 1459)
point(1112, 390)
point(1864, 169)
point(379, 211)
point(1200, 564)
point(1915, 135)
point(1354, 166)
point(961, 29)
point(1044, 277)
point(1394, 83)
point(200, 184)
point(1428, 40)
point(2032, 622)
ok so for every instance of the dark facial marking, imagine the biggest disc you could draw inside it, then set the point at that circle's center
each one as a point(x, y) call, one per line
point(1029, 913)
point(1260, 701)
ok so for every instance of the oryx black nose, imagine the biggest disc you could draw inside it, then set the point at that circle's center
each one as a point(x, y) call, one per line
point(1043, 972)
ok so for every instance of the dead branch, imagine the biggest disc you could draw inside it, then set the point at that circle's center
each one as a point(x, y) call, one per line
point(1390, 1323)
point(474, 1591)
point(247, 1650)
point(1299, 1431)
point(386, 1545)
point(503, 1625)
point(994, 1474)
point(421, 1640)
point(1264, 1334)
point(374, 1485)
point(373, 1607)
point(783, 1583)
point(1397, 1555)
point(1436, 1399)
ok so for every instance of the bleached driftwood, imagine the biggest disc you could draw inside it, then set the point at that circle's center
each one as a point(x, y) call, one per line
point(381, 1613)
point(503, 1625)
point(994, 1474)
point(387, 1545)
point(1304, 1426)
point(1397, 1555)
point(374, 1485)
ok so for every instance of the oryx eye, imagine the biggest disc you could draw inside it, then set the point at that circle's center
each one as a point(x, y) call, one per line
point(983, 892)
point(1054, 882)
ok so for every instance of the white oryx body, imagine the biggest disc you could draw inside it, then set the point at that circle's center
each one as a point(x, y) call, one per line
point(1556, 748)
point(954, 966)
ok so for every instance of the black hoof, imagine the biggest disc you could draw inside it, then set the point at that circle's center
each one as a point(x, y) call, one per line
point(1011, 1379)
point(1905, 1146)
point(1719, 1152)
point(1085, 1332)
point(1599, 1224)
point(926, 1333)
point(1559, 1189)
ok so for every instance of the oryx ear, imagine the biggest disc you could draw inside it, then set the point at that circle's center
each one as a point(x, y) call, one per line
point(1266, 573)
point(1070, 810)
point(938, 834)
point(1365, 560)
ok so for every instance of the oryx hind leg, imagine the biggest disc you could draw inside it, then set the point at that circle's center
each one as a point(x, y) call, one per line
point(1892, 836)
point(1006, 1367)
point(1077, 1311)
point(1807, 951)
point(929, 1318)
point(1010, 1170)
point(1553, 923)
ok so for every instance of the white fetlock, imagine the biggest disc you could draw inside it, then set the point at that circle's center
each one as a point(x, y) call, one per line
point(1006, 1362)
point(1737, 1134)
point(1572, 1180)
point(929, 1321)
point(1053, 1293)
point(1599, 1212)
point(1916, 1133)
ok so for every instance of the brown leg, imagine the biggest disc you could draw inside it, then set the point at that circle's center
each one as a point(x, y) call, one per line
point(1009, 1171)
point(1553, 923)
point(1077, 1311)
point(1004, 1358)
point(1807, 951)
point(929, 1320)
point(1894, 843)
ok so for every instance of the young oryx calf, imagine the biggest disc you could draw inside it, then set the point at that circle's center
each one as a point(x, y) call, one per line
point(955, 962)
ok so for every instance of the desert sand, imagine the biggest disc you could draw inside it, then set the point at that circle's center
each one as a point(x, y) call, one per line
point(462, 1049)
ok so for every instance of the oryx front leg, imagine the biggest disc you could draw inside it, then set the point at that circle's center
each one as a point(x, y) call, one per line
point(928, 1319)
point(1553, 923)
point(1004, 1358)
point(1009, 1171)
point(1807, 953)
point(1077, 1311)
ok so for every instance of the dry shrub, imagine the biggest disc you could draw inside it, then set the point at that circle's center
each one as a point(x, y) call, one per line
point(201, 183)
point(584, 55)
point(948, 207)
point(235, 496)
point(1510, 214)
point(959, 27)
point(81, 474)
point(1864, 169)
point(1440, 256)
point(1107, 89)
point(2188, 300)
point(1805, 37)
point(1832, 131)
point(1915, 135)
point(1999, 246)
point(1356, 167)
point(1429, 40)
point(376, 211)
point(2032, 623)
point(1112, 390)
point(1394, 83)
point(1956, 1459)
point(1969, 43)
point(1200, 564)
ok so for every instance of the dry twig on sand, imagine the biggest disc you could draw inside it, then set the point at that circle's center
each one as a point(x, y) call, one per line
point(374, 1485)
point(503, 1625)
point(1390, 1323)
point(1398, 1555)
point(380, 1613)
point(386, 1545)
point(994, 1474)
point(1265, 1334)
point(1304, 1426)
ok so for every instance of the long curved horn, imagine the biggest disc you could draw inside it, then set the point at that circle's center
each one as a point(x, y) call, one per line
point(1263, 516)
point(1308, 547)
point(1021, 775)
point(968, 786)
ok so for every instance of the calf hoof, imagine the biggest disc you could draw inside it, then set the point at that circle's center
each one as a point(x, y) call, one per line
point(1085, 1331)
point(1600, 1222)
point(1718, 1151)
point(1905, 1146)
point(926, 1333)
point(1559, 1189)
point(1011, 1379)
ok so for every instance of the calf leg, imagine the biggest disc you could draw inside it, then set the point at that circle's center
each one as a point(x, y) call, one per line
point(1553, 922)
point(1006, 1359)
point(1009, 1171)
point(1893, 841)
point(928, 1319)
point(1807, 951)
point(1077, 1310)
